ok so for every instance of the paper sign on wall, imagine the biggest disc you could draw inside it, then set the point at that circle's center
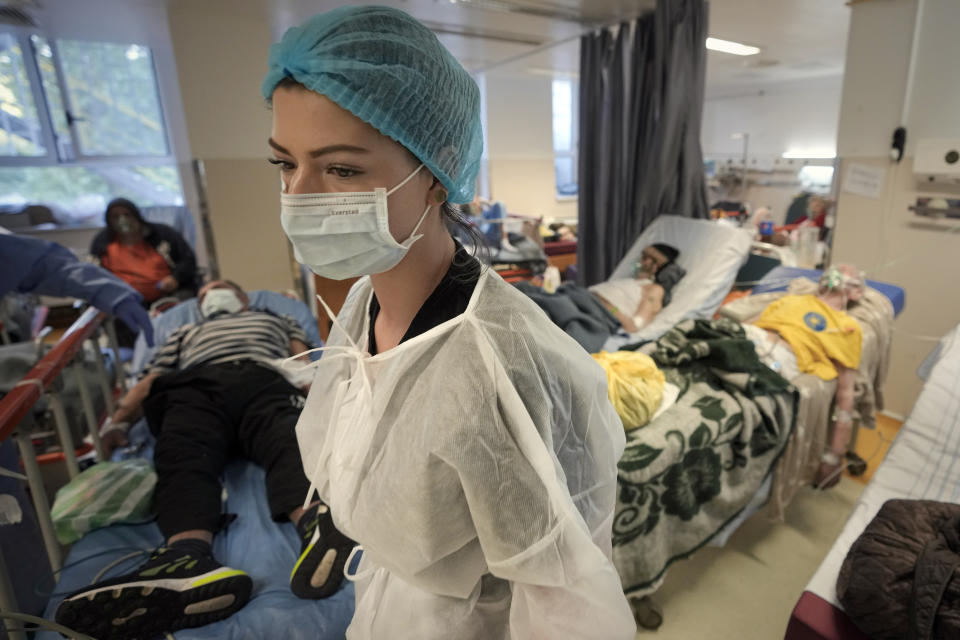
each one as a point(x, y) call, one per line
point(864, 180)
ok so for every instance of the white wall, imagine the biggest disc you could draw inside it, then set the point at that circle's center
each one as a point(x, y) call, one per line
point(221, 51)
point(880, 234)
point(801, 115)
point(520, 139)
point(778, 117)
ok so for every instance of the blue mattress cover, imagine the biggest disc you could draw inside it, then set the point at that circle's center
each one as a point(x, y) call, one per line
point(253, 542)
point(779, 278)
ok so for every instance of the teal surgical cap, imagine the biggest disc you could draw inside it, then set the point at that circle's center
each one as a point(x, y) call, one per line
point(389, 70)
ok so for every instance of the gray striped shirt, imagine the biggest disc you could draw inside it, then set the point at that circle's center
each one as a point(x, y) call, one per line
point(247, 335)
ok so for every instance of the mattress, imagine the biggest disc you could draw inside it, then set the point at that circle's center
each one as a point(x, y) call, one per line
point(253, 542)
point(923, 463)
point(779, 279)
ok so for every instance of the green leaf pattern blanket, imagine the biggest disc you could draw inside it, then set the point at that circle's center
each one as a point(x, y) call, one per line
point(688, 473)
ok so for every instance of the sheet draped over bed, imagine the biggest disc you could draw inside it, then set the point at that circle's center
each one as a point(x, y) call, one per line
point(801, 460)
point(577, 311)
point(692, 470)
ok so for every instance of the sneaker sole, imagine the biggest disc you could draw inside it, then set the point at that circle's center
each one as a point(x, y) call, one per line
point(309, 563)
point(150, 607)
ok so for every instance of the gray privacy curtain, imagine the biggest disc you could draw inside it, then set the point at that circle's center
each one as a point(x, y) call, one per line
point(641, 104)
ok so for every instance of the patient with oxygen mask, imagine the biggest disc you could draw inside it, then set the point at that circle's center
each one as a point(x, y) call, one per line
point(635, 301)
point(813, 334)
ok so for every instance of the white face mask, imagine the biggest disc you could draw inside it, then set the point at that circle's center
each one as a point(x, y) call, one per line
point(344, 235)
point(217, 301)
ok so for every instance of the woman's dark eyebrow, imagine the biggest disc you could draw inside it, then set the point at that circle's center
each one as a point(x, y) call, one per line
point(316, 153)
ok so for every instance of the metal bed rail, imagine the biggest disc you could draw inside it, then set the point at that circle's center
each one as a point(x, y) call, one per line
point(44, 380)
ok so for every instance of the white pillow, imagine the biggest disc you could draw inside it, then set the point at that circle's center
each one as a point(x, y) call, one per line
point(711, 253)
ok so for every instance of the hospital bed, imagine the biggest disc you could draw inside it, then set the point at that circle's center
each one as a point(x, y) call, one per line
point(922, 464)
point(253, 542)
point(730, 495)
point(710, 253)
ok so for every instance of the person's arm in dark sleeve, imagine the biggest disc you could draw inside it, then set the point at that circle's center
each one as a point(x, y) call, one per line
point(98, 246)
point(184, 268)
point(37, 266)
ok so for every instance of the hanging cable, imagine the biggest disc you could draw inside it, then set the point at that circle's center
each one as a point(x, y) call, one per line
point(47, 624)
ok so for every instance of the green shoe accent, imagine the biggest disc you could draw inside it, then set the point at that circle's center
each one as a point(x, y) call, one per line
point(300, 559)
point(182, 562)
point(218, 576)
point(170, 567)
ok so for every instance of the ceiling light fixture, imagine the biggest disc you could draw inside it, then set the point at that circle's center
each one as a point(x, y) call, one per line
point(728, 46)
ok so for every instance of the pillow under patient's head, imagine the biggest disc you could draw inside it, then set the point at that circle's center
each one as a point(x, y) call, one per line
point(667, 277)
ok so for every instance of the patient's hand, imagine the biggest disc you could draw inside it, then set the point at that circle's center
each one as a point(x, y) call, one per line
point(168, 285)
point(113, 439)
point(830, 473)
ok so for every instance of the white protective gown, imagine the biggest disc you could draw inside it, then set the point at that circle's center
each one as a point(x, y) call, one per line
point(476, 465)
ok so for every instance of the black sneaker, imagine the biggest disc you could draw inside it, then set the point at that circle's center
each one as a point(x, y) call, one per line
point(173, 590)
point(323, 552)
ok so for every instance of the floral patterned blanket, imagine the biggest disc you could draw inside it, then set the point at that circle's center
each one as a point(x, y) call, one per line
point(685, 475)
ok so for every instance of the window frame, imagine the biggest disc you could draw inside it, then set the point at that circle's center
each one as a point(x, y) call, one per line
point(52, 158)
point(39, 100)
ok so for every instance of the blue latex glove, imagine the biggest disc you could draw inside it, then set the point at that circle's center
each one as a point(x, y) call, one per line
point(135, 316)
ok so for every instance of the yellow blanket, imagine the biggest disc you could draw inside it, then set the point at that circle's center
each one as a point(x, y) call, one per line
point(817, 333)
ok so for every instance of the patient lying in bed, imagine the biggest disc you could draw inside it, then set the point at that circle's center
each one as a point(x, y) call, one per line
point(592, 315)
point(813, 334)
point(211, 391)
point(635, 301)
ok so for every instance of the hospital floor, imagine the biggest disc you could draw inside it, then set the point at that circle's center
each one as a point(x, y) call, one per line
point(747, 590)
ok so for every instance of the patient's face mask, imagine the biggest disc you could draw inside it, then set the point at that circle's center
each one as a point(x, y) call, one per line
point(834, 279)
point(220, 301)
point(124, 224)
point(345, 235)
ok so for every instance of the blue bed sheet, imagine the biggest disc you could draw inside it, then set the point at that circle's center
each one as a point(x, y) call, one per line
point(253, 542)
point(779, 278)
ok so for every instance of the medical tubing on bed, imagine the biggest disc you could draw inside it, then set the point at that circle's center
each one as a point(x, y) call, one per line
point(135, 551)
point(115, 563)
point(41, 622)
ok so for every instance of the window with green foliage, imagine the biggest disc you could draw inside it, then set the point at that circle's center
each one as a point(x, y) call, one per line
point(113, 98)
point(81, 123)
point(20, 131)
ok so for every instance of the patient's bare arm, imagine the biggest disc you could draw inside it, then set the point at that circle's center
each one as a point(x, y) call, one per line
point(297, 347)
point(842, 426)
point(129, 406)
point(114, 435)
point(651, 304)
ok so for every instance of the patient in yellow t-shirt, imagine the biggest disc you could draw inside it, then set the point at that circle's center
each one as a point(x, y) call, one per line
point(813, 334)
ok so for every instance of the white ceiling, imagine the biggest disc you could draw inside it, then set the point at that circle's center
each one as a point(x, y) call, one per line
point(799, 39)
